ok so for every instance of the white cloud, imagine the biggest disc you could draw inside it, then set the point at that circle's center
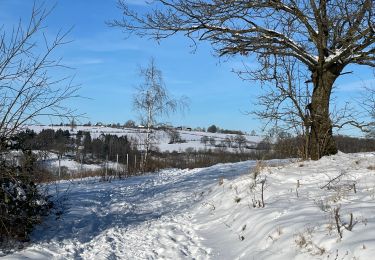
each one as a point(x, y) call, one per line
point(82, 61)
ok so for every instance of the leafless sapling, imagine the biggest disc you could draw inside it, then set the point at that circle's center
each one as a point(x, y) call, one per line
point(153, 101)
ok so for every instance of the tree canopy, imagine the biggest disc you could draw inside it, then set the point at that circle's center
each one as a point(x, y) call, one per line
point(324, 36)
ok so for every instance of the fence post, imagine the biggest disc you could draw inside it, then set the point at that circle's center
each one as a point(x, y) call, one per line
point(106, 167)
point(117, 171)
point(127, 165)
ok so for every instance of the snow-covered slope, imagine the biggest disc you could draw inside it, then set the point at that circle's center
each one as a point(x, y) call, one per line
point(209, 214)
point(192, 138)
point(298, 220)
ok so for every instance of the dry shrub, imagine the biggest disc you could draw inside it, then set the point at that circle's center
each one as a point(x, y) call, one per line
point(260, 165)
point(304, 241)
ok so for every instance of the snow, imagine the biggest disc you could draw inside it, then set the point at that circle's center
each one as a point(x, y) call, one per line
point(51, 162)
point(14, 190)
point(70, 164)
point(209, 214)
point(334, 55)
point(279, 230)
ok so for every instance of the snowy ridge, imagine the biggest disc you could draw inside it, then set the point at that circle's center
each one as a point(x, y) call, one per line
point(209, 214)
point(192, 138)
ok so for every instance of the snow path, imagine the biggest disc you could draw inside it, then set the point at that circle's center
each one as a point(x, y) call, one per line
point(144, 217)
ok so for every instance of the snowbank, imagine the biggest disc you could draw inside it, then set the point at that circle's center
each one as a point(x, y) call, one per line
point(299, 217)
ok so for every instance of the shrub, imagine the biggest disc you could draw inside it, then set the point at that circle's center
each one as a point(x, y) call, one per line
point(21, 204)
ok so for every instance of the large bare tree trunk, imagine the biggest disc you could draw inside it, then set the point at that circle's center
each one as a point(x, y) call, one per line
point(321, 137)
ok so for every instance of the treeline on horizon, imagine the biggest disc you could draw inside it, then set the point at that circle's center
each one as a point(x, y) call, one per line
point(85, 149)
point(80, 145)
point(132, 124)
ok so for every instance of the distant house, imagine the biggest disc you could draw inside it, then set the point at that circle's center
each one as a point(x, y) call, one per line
point(183, 128)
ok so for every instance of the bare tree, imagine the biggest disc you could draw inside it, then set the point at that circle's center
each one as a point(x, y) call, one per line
point(369, 106)
point(284, 99)
point(204, 140)
point(27, 88)
point(174, 136)
point(324, 36)
point(129, 124)
point(152, 101)
point(228, 142)
point(284, 103)
point(241, 142)
point(212, 141)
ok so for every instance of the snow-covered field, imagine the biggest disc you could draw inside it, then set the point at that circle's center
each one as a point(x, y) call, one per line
point(209, 214)
point(73, 166)
point(192, 138)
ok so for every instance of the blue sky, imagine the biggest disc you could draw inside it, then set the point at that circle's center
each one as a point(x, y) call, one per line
point(106, 65)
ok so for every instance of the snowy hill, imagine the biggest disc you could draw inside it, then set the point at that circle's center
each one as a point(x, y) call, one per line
point(192, 138)
point(217, 213)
